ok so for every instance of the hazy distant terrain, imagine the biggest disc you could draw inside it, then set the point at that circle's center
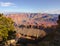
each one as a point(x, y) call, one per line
point(34, 18)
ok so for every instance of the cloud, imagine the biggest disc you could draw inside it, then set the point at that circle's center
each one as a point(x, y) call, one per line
point(6, 4)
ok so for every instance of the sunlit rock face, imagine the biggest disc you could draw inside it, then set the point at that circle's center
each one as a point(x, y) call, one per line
point(34, 19)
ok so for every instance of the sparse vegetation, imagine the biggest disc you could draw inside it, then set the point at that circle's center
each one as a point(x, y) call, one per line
point(51, 39)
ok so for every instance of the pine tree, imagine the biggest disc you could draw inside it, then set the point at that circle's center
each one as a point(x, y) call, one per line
point(6, 27)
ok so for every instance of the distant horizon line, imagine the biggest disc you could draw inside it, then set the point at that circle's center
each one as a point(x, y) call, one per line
point(26, 12)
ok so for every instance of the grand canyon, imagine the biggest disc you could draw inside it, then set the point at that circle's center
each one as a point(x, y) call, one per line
point(34, 19)
point(29, 22)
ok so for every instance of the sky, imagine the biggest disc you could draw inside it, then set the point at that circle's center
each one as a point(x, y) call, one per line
point(33, 6)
